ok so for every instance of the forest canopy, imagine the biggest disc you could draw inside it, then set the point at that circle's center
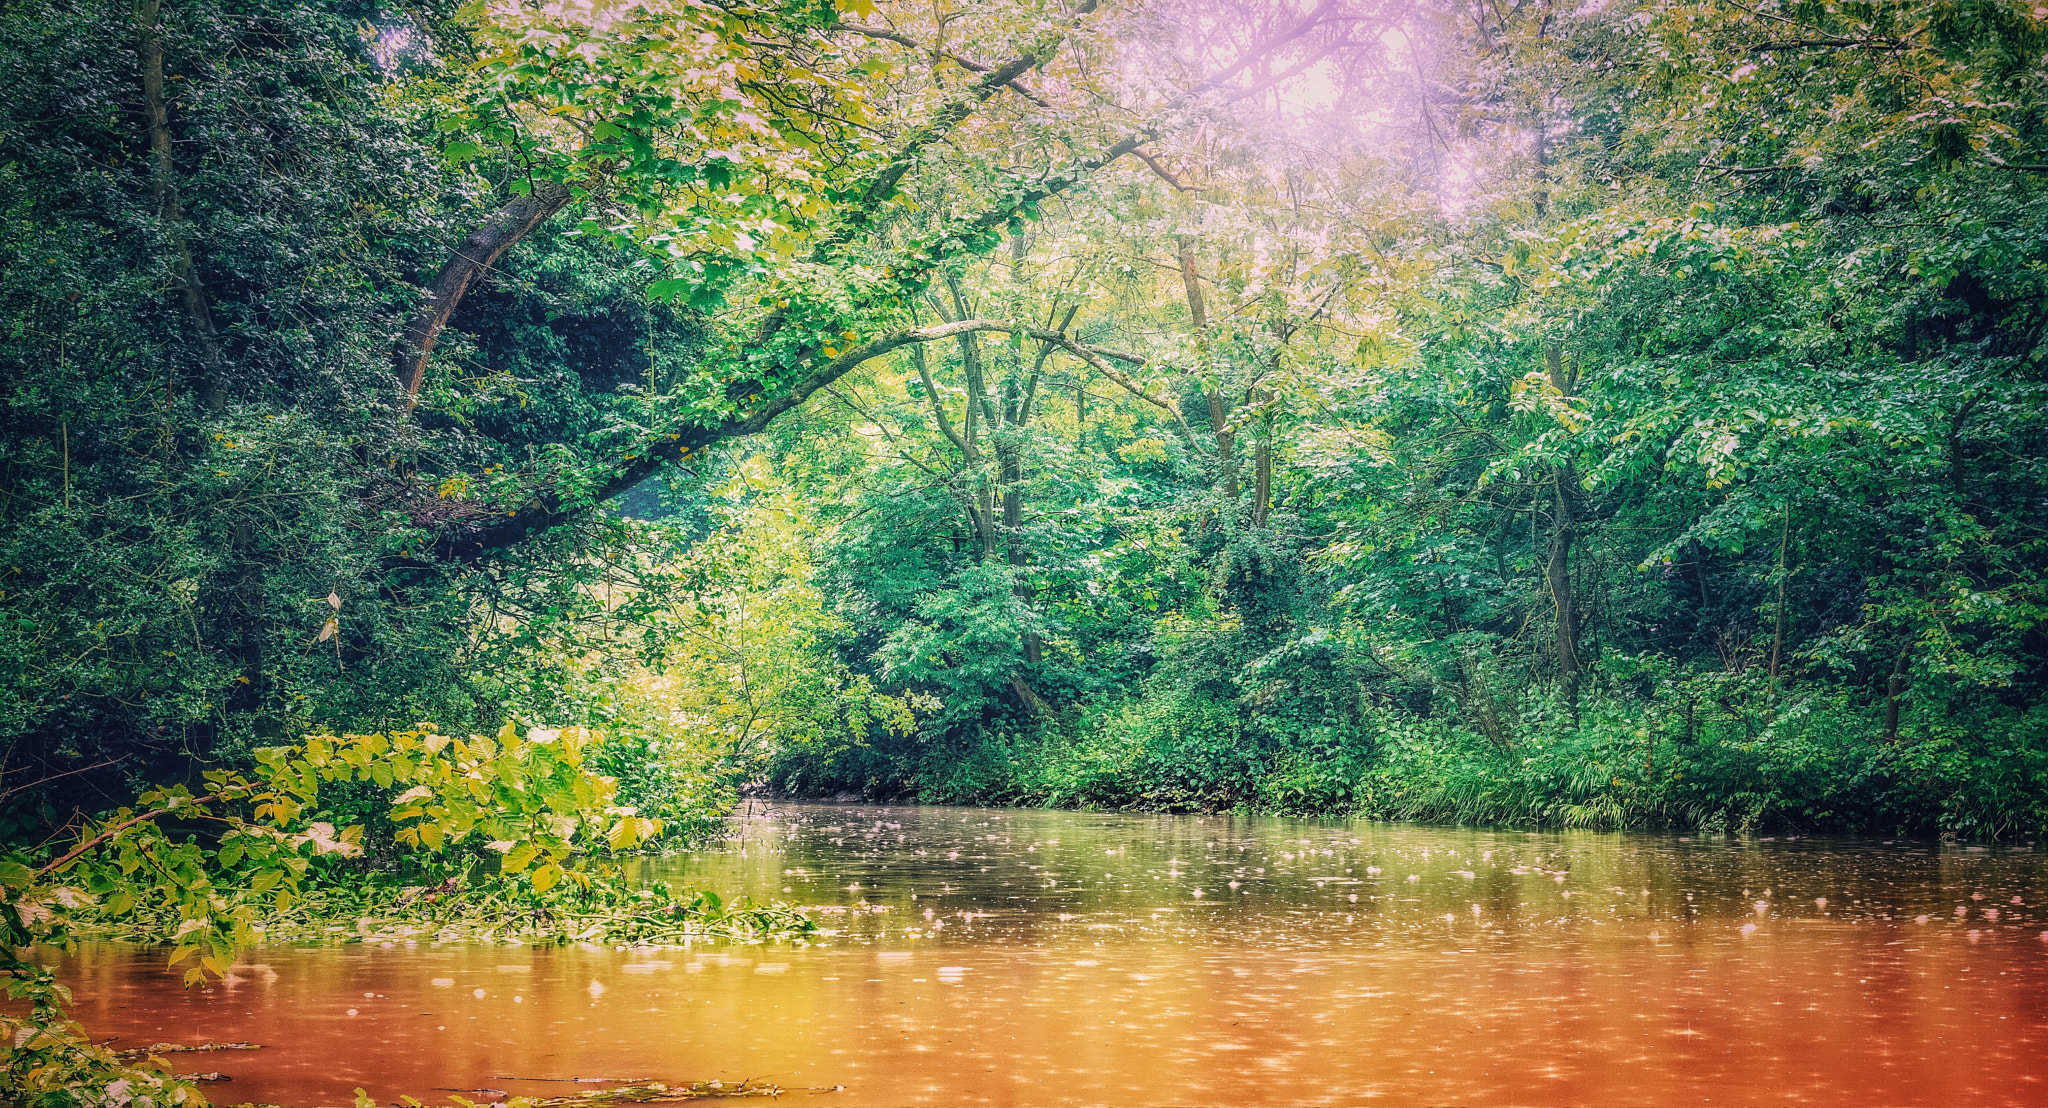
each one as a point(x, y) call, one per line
point(1608, 415)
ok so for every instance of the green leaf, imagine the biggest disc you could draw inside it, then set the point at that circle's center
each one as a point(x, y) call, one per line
point(520, 856)
point(669, 290)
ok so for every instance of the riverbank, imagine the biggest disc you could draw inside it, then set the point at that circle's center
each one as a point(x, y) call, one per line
point(1803, 763)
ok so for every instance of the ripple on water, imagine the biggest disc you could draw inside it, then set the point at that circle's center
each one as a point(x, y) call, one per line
point(1018, 957)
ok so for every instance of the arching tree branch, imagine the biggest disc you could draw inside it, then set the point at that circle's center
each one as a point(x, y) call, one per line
point(472, 258)
point(552, 509)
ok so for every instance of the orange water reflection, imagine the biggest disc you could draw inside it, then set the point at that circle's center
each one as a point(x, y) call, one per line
point(1061, 958)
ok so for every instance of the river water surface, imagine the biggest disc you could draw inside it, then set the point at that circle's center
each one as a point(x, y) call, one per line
point(1009, 957)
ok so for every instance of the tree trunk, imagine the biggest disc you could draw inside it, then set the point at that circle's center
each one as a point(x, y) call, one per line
point(1262, 467)
point(970, 453)
point(1895, 691)
point(1778, 615)
point(1262, 470)
point(474, 256)
point(246, 612)
point(981, 411)
point(987, 495)
point(1699, 577)
point(1011, 472)
point(1018, 401)
point(1013, 539)
point(1558, 577)
point(1028, 696)
point(1563, 531)
point(1219, 405)
point(163, 178)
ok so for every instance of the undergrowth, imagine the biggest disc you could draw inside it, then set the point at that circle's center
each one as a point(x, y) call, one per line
point(1708, 754)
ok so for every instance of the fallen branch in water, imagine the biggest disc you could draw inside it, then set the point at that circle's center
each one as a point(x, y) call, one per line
point(651, 1092)
point(573, 1080)
point(139, 1052)
point(600, 909)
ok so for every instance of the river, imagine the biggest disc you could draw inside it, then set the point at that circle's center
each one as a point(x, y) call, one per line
point(1007, 957)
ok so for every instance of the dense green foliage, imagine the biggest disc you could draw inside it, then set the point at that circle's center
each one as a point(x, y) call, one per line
point(225, 521)
point(1620, 416)
point(1683, 465)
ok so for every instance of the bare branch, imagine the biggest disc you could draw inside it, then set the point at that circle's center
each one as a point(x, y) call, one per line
point(902, 39)
point(1744, 171)
point(112, 830)
point(4, 794)
point(965, 63)
point(883, 185)
point(1160, 171)
point(931, 389)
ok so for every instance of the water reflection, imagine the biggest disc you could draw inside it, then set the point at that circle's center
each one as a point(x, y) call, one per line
point(1014, 958)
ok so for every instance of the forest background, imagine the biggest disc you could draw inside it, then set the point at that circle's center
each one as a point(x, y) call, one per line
point(1608, 415)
